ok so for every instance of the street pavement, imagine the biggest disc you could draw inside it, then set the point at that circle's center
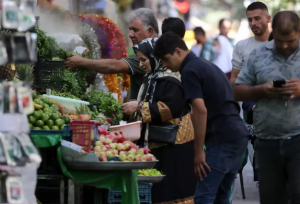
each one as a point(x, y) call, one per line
point(251, 191)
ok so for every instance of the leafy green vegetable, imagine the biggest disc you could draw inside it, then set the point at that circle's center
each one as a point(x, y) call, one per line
point(64, 94)
point(109, 106)
point(47, 47)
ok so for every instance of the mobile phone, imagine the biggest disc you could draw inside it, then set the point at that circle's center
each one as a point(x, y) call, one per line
point(278, 83)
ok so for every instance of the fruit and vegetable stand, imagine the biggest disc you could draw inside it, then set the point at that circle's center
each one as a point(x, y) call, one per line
point(125, 181)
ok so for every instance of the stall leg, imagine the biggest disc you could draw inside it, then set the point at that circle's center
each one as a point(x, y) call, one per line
point(71, 192)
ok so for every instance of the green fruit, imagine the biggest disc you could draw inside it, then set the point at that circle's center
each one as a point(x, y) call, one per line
point(37, 100)
point(46, 127)
point(50, 123)
point(45, 117)
point(59, 122)
point(37, 114)
point(66, 118)
point(47, 110)
point(54, 108)
point(46, 106)
point(63, 126)
point(39, 123)
point(37, 128)
point(59, 114)
point(55, 128)
point(54, 116)
point(30, 126)
point(34, 95)
point(31, 119)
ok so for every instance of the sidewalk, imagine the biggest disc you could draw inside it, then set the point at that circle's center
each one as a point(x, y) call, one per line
point(251, 191)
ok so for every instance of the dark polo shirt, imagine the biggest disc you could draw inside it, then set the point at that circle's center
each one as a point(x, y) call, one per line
point(202, 79)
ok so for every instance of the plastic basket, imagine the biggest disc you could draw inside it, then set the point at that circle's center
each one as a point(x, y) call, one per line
point(49, 74)
point(82, 132)
point(66, 132)
point(115, 197)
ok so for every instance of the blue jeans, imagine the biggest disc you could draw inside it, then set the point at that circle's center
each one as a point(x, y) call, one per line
point(225, 161)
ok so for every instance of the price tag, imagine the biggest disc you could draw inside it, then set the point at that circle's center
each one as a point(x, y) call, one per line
point(14, 190)
point(25, 100)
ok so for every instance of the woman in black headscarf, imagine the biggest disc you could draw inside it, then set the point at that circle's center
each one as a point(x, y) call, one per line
point(167, 129)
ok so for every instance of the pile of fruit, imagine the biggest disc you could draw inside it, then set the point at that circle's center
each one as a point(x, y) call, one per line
point(46, 116)
point(113, 145)
point(149, 172)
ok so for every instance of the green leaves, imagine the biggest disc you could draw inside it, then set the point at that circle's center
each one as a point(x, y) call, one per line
point(109, 106)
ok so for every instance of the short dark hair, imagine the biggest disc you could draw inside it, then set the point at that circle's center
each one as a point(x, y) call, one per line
point(270, 36)
point(167, 44)
point(175, 25)
point(257, 5)
point(199, 30)
point(285, 22)
point(222, 21)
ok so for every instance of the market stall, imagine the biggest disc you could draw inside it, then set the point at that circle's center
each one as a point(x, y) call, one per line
point(77, 127)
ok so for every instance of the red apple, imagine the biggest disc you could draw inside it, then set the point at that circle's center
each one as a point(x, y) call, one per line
point(102, 131)
point(120, 147)
point(123, 152)
point(102, 153)
point(113, 145)
point(132, 151)
point(130, 157)
point(84, 117)
point(108, 141)
point(103, 158)
point(138, 158)
point(107, 147)
point(146, 150)
point(103, 148)
point(144, 158)
point(150, 157)
point(116, 153)
point(122, 157)
point(97, 149)
point(102, 138)
point(98, 143)
point(109, 154)
point(140, 152)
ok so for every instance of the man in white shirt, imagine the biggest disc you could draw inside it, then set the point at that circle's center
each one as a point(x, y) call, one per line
point(258, 18)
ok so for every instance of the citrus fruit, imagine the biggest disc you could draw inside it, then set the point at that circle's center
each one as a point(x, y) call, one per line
point(50, 123)
point(45, 117)
point(55, 127)
point(62, 127)
point(54, 108)
point(66, 118)
point(47, 110)
point(30, 126)
point(34, 95)
point(59, 122)
point(39, 123)
point(37, 100)
point(37, 128)
point(46, 105)
point(46, 127)
point(31, 119)
point(59, 114)
point(54, 116)
point(37, 114)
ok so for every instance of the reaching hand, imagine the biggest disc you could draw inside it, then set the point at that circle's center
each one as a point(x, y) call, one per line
point(200, 165)
point(74, 62)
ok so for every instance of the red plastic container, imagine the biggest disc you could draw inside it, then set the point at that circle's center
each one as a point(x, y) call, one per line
point(82, 133)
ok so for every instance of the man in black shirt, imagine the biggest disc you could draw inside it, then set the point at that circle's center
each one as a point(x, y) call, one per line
point(215, 116)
